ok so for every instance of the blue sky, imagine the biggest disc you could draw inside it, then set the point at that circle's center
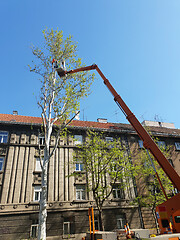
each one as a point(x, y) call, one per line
point(136, 43)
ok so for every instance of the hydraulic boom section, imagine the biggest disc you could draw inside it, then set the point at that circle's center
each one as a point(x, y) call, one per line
point(143, 134)
point(171, 207)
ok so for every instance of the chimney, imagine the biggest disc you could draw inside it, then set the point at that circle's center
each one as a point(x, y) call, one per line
point(102, 120)
point(15, 112)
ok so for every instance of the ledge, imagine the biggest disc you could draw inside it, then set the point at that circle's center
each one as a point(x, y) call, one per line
point(80, 201)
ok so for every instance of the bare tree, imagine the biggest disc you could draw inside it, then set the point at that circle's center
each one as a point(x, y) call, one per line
point(59, 98)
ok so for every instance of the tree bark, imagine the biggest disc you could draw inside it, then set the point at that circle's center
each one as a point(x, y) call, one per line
point(43, 204)
point(44, 183)
point(101, 219)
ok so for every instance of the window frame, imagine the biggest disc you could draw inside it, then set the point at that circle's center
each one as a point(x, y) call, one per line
point(78, 139)
point(161, 144)
point(69, 221)
point(41, 139)
point(177, 146)
point(122, 220)
point(79, 166)
point(109, 139)
point(36, 226)
point(140, 143)
point(1, 168)
point(38, 165)
point(116, 189)
point(171, 162)
point(37, 189)
point(81, 189)
point(6, 133)
point(69, 228)
point(96, 222)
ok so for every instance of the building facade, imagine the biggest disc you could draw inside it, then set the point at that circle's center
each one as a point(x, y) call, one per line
point(68, 200)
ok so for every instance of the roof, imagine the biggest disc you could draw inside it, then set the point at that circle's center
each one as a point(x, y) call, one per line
point(18, 119)
point(120, 127)
point(11, 118)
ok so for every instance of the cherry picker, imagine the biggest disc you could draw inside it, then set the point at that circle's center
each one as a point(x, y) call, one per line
point(168, 213)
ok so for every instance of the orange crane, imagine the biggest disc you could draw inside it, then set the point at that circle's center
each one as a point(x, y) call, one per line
point(168, 213)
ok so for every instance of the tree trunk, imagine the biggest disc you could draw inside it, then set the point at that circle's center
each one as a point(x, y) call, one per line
point(101, 219)
point(43, 204)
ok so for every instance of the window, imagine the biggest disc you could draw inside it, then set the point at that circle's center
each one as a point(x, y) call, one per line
point(37, 193)
point(177, 219)
point(165, 223)
point(140, 142)
point(1, 163)
point(153, 189)
point(177, 145)
point(130, 188)
point(115, 167)
point(121, 221)
point(79, 166)
point(80, 192)
point(161, 144)
point(96, 222)
point(109, 139)
point(38, 165)
point(41, 140)
point(174, 191)
point(3, 137)
point(34, 229)
point(130, 192)
point(78, 139)
point(68, 226)
point(118, 192)
point(171, 162)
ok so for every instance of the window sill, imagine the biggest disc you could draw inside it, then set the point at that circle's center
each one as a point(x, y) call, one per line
point(34, 203)
point(79, 171)
point(80, 183)
point(67, 236)
point(80, 201)
point(118, 199)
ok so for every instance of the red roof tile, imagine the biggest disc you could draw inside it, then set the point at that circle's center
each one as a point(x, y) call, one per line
point(38, 120)
point(76, 123)
point(19, 118)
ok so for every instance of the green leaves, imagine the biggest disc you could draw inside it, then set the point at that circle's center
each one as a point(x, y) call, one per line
point(105, 163)
point(150, 193)
point(59, 96)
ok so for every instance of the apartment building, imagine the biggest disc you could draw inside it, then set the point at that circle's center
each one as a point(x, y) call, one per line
point(68, 200)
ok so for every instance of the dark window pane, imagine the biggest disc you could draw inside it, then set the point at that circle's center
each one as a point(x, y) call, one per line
point(81, 167)
point(36, 196)
point(72, 228)
point(66, 228)
point(34, 231)
point(1, 163)
point(177, 219)
point(165, 223)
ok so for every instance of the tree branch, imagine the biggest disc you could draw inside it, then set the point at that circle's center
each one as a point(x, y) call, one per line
point(59, 131)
